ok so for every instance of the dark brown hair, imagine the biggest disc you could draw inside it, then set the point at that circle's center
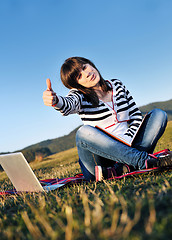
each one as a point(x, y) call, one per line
point(69, 72)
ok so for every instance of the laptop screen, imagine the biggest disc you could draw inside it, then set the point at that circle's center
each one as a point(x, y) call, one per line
point(20, 173)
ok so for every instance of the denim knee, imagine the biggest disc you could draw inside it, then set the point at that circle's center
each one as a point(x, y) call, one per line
point(79, 135)
point(160, 114)
point(83, 133)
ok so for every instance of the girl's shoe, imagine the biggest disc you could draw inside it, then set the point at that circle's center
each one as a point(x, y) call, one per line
point(111, 172)
point(162, 161)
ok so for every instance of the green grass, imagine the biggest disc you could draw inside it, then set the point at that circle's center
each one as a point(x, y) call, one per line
point(166, 140)
point(134, 208)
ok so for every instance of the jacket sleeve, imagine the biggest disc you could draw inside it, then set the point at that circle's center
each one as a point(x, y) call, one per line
point(70, 104)
point(135, 116)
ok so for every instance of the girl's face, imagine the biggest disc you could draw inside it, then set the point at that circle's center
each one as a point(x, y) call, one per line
point(88, 77)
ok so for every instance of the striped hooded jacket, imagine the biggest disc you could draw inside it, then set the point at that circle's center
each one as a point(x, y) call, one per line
point(126, 109)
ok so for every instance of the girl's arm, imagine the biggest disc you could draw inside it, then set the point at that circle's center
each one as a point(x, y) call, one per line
point(69, 104)
point(66, 105)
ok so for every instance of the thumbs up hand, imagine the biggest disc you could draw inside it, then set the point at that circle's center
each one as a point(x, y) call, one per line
point(49, 96)
point(48, 82)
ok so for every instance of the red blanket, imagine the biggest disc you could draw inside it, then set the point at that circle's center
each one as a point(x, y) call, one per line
point(52, 184)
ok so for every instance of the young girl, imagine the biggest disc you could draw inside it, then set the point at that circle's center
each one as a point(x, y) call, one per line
point(109, 104)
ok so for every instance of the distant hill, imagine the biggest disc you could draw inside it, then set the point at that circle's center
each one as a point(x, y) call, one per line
point(166, 106)
point(57, 144)
point(48, 147)
point(51, 146)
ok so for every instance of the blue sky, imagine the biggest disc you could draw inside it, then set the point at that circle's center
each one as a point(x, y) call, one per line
point(127, 39)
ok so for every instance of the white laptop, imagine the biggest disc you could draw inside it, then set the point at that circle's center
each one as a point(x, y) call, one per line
point(20, 173)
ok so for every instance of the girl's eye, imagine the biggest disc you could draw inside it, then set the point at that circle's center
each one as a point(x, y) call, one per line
point(79, 76)
point(84, 67)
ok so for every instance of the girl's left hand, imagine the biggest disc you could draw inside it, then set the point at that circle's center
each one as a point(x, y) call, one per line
point(49, 96)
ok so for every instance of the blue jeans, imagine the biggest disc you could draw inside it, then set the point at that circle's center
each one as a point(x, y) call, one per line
point(97, 148)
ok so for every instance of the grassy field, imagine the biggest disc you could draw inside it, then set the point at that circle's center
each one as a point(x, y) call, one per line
point(134, 208)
